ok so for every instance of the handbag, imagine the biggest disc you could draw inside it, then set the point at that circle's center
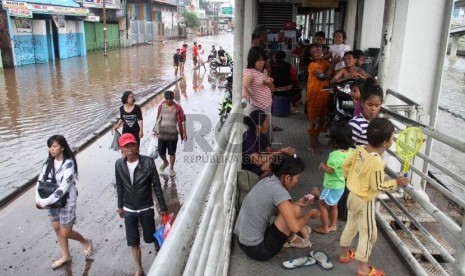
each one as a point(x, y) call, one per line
point(48, 186)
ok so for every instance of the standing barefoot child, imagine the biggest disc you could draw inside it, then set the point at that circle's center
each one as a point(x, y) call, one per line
point(334, 182)
point(364, 169)
point(356, 95)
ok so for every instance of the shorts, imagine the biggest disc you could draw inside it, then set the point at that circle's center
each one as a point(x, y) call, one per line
point(131, 223)
point(66, 215)
point(331, 196)
point(167, 144)
point(272, 243)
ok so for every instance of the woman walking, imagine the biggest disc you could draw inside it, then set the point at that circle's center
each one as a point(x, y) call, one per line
point(62, 167)
point(130, 116)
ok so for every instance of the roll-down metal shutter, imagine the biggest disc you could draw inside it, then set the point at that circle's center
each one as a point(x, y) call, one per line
point(273, 15)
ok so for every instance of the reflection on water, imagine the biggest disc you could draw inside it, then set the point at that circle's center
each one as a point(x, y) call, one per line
point(453, 92)
point(74, 97)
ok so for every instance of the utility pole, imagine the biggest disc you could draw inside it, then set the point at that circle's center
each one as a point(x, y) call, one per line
point(105, 52)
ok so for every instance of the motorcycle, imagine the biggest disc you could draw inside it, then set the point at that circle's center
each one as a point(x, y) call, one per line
point(216, 62)
point(341, 105)
point(226, 104)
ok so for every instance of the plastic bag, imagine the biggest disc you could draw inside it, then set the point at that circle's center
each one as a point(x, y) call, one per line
point(152, 150)
point(158, 235)
point(161, 233)
point(115, 144)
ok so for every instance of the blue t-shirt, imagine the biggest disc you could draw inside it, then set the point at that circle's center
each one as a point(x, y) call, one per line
point(251, 143)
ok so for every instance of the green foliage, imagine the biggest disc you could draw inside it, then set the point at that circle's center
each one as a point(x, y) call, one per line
point(204, 5)
point(191, 19)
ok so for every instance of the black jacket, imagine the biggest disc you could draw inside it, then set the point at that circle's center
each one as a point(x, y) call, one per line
point(139, 195)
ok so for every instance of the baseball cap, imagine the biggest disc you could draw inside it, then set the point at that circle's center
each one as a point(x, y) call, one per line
point(127, 138)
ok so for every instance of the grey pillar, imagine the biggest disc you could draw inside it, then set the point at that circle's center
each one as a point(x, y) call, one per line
point(455, 42)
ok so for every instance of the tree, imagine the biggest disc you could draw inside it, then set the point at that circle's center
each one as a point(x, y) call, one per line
point(205, 5)
point(191, 19)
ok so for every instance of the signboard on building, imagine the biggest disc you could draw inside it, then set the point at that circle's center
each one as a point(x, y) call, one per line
point(42, 9)
point(92, 18)
point(109, 4)
point(20, 12)
point(320, 3)
point(226, 10)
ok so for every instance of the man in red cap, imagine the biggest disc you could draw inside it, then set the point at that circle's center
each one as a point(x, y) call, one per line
point(135, 174)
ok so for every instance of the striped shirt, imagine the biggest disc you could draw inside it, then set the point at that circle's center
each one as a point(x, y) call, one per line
point(359, 127)
point(168, 124)
point(260, 94)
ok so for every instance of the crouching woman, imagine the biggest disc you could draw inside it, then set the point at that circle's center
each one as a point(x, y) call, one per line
point(268, 218)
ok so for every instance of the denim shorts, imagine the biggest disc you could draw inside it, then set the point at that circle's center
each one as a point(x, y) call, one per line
point(147, 221)
point(66, 215)
point(272, 243)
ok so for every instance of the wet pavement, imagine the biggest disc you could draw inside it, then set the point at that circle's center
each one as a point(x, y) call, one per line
point(28, 245)
point(77, 97)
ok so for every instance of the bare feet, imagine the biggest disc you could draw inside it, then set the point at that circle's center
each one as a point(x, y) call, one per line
point(88, 248)
point(320, 229)
point(60, 262)
point(139, 273)
point(314, 149)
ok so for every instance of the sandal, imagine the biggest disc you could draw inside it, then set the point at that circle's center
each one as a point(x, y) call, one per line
point(163, 167)
point(373, 272)
point(348, 259)
point(297, 242)
point(90, 250)
point(59, 263)
point(172, 173)
point(309, 229)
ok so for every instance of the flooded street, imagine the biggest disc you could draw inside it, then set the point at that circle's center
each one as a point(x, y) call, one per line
point(78, 96)
point(28, 244)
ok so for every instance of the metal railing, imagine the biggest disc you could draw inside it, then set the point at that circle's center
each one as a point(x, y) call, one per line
point(202, 230)
point(412, 112)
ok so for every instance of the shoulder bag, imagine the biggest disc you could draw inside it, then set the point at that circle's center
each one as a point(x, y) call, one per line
point(47, 186)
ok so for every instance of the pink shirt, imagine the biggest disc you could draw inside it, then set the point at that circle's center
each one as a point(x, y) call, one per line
point(260, 94)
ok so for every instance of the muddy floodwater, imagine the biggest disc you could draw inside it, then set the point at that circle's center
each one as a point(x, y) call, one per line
point(76, 97)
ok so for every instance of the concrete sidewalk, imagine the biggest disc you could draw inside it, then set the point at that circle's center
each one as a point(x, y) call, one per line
point(29, 244)
point(384, 255)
